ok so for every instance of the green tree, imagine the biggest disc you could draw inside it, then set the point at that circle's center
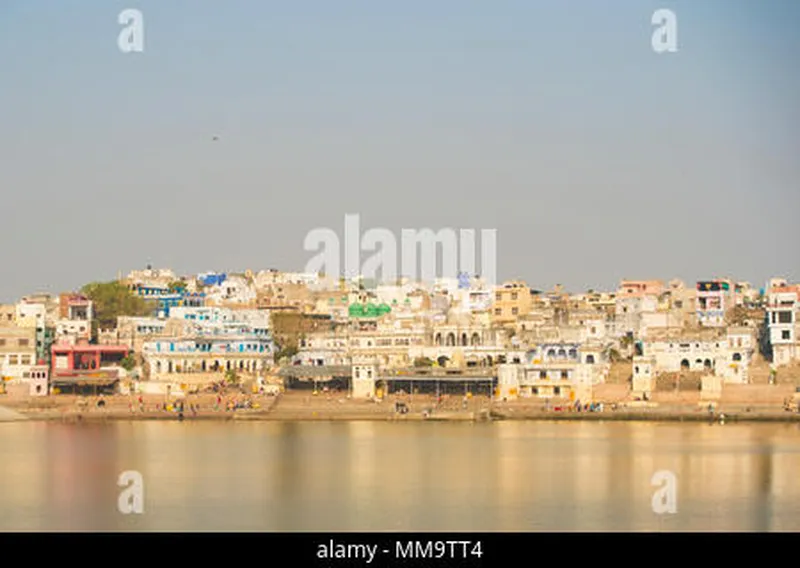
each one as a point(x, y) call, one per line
point(128, 362)
point(111, 300)
point(286, 353)
point(177, 286)
point(287, 332)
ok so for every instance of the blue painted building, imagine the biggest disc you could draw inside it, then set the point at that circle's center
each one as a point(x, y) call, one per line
point(212, 279)
point(164, 303)
point(166, 299)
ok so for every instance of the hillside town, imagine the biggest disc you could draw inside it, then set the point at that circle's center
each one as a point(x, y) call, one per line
point(270, 332)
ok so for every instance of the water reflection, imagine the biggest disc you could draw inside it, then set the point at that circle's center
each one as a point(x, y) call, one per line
point(363, 476)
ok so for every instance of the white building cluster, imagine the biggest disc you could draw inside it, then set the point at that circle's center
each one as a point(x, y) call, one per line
point(550, 343)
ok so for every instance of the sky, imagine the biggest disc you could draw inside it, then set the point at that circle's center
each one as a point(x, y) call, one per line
point(554, 123)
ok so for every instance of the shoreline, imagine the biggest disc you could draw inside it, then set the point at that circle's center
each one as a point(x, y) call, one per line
point(300, 407)
point(344, 416)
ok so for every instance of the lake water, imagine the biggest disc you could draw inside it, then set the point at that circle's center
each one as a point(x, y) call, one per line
point(380, 476)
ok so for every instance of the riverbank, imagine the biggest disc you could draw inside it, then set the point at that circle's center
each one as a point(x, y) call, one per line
point(337, 407)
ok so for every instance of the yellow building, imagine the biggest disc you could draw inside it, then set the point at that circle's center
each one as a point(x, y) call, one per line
point(512, 300)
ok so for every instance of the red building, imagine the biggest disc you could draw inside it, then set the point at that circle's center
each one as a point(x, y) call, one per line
point(84, 367)
point(74, 307)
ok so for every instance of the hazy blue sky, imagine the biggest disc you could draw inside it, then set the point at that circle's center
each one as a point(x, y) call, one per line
point(552, 121)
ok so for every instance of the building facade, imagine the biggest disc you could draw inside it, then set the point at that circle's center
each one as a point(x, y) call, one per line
point(783, 321)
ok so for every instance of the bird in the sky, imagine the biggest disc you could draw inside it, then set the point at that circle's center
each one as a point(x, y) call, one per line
point(215, 138)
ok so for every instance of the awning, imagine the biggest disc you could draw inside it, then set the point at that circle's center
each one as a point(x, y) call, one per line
point(84, 381)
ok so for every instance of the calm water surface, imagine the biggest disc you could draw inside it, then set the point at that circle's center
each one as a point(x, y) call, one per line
point(376, 476)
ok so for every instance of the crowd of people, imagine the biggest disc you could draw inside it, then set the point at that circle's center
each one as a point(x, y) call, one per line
point(182, 407)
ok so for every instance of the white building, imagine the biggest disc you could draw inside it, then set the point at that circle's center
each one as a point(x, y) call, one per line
point(151, 277)
point(725, 353)
point(73, 331)
point(554, 371)
point(783, 320)
point(209, 314)
point(634, 298)
point(234, 289)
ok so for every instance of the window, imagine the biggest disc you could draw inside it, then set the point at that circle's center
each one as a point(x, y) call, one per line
point(786, 334)
point(514, 311)
point(498, 297)
point(542, 374)
point(514, 295)
point(2, 342)
point(25, 360)
point(22, 342)
point(13, 360)
point(784, 317)
point(498, 311)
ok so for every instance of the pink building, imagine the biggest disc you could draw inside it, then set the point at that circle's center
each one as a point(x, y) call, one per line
point(637, 288)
